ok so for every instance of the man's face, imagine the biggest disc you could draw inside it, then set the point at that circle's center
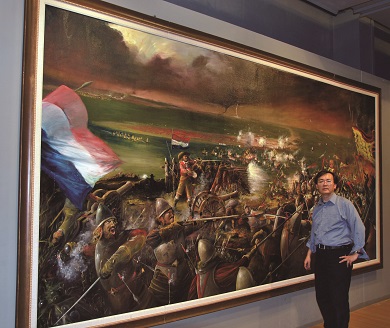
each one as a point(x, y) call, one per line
point(325, 184)
point(109, 229)
point(185, 158)
point(166, 218)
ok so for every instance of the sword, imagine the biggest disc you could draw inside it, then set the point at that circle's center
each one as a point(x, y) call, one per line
point(121, 277)
point(144, 264)
point(137, 219)
point(81, 297)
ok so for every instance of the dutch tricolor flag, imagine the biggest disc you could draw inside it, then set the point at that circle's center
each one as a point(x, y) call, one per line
point(71, 154)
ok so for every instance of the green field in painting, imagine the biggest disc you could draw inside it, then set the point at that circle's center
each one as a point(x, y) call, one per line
point(140, 157)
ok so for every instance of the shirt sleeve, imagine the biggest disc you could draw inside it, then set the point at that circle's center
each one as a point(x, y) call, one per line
point(311, 243)
point(356, 226)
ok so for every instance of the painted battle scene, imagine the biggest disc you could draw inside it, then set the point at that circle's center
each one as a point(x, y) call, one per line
point(171, 172)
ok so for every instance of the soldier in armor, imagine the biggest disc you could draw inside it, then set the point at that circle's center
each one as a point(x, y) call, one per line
point(70, 226)
point(114, 252)
point(186, 175)
point(235, 231)
point(213, 275)
point(75, 220)
point(172, 273)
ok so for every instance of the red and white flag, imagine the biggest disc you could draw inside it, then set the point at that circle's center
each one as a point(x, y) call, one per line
point(180, 140)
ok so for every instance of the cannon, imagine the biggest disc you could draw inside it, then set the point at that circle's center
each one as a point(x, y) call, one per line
point(208, 204)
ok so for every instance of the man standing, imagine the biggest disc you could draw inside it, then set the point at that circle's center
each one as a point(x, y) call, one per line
point(186, 175)
point(337, 238)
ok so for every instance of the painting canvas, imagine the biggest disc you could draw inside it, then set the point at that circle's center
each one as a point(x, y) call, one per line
point(174, 174)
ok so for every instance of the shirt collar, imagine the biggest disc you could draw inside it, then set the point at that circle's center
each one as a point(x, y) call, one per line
point(332, 199)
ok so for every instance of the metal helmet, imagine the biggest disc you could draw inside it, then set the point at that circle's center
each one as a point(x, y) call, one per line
point(166, 253)
point(103, 213)
point(162, 206)
point(244, 279)
point(232, 203)
point(206, 250)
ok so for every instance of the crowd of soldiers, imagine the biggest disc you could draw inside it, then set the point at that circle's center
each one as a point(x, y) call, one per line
point(155, 252)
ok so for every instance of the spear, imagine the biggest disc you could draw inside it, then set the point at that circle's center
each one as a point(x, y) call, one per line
point(121, 277)
point(233, 216)
point(303, 240)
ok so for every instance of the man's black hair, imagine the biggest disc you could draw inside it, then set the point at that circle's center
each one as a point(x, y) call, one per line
point(323, 172)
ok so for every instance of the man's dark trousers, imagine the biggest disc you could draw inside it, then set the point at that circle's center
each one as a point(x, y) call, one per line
point(332, 282)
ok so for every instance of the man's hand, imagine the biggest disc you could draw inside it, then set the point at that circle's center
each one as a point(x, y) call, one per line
point(307, 262)
point(170, 231)
point(349, 259)
point(251, 253)
point(57, 236)
point(107, 269)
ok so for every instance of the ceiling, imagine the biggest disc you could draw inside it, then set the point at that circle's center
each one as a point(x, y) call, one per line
point(377, 10)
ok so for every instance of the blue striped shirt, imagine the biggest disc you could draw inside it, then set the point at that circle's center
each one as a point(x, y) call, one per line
point(335, 223)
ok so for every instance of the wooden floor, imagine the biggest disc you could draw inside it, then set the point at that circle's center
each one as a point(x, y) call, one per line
point(376, 315)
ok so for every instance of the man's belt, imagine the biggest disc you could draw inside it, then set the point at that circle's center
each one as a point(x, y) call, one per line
point(324, 247)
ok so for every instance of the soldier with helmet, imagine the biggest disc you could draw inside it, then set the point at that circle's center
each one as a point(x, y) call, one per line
point(114, 252)
point(172, 273)
point(186, 176)
point(215, 276)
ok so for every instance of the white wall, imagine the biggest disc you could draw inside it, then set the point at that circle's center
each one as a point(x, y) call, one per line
point(296, 309)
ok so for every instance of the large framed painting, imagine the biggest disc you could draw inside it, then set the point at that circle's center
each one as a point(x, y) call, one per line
point(168, 173)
